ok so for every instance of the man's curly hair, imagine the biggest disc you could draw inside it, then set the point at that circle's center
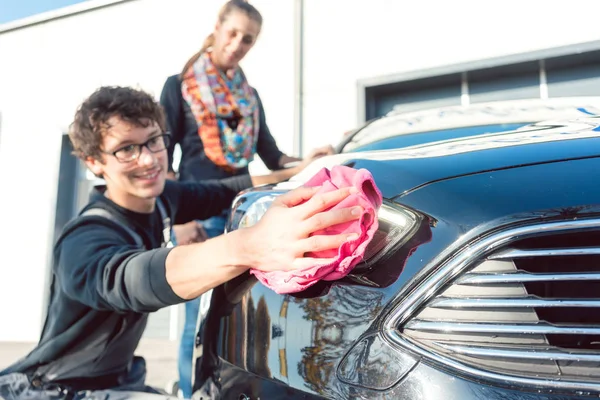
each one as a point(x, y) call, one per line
point(91, 120)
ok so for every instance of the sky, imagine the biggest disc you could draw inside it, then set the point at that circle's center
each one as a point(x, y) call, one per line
point(11, 10)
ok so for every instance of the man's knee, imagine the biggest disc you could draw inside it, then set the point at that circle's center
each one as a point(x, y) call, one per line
point(16, 386)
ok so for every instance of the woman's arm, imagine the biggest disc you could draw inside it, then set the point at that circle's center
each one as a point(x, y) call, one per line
point(266, 146)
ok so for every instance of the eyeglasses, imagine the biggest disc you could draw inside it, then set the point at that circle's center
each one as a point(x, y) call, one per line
point(132, 152)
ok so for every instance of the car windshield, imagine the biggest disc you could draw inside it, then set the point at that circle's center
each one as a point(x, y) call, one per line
point(404, 140)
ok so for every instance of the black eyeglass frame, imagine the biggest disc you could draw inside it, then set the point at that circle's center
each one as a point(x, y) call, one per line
point(166, 136)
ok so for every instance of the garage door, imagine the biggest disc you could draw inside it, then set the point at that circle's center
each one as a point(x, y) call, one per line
point(551, 73)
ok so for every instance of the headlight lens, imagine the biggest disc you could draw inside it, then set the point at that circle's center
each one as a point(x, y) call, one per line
point(256, 211)
point(396, 223)
point(248, 208)
point(395, 227)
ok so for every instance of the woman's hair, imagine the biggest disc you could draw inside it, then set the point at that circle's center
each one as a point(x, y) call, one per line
point(228, 8)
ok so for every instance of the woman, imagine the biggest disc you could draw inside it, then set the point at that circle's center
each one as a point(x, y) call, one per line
point(219, 122)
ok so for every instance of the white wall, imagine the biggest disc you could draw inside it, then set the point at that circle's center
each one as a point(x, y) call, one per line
point(350, 40)
point(46, 70)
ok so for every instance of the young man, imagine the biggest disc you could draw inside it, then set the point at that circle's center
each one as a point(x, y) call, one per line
point(113, 264)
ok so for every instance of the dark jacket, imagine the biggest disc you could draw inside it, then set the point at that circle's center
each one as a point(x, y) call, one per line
point(194, 165)
point(104, 285)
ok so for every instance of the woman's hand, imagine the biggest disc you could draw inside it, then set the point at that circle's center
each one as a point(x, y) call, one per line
point(188, 233)
point(314, 155)
point(320, 152)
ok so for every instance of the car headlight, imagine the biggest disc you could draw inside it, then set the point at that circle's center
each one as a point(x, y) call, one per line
point(248, 208)
point(396, 223)
point(255, 211)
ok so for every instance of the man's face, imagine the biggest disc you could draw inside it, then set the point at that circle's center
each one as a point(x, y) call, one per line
point(133, 184)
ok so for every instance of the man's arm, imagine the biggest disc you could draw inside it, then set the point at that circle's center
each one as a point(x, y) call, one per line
point(277, 242)
point(100, 266)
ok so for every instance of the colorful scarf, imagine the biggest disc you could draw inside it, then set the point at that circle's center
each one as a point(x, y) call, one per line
point(227, 113)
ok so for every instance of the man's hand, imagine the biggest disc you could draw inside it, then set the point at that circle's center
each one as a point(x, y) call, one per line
point(279, 241)
point(191, 232)
point(281, 238)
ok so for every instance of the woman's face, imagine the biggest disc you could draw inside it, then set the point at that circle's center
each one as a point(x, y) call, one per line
point(234, 37)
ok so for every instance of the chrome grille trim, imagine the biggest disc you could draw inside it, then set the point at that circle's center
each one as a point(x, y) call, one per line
point(450, 264)
point(507, 302)
point(520, 353)
point(509, 254)
point(461, 260)
point(541, 328)
point(487, 278)
point(494, 377)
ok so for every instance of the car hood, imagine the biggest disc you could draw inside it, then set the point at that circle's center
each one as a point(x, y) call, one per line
point(400, 171)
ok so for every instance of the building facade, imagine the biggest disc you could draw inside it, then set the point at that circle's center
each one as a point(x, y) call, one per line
point(321, 67)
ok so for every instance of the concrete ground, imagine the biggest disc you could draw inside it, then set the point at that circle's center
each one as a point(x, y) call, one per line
point(160, 355)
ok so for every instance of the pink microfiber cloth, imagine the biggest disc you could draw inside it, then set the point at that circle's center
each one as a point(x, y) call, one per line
point(351, 252)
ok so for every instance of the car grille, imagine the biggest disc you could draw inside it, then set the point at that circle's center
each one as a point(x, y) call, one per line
point(529, 308)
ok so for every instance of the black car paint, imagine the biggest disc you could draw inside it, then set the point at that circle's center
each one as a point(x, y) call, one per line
point(248, 337)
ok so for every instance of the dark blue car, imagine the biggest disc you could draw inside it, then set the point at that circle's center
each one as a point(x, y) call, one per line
point(483, 281)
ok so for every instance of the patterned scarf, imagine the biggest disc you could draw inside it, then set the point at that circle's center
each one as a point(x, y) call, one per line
point(226, 112)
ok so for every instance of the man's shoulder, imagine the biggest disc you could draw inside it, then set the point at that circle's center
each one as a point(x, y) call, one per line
point(171, 189)
point(97, 223)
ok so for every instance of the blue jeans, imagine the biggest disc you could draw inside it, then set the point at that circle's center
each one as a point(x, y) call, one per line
point(214, 227)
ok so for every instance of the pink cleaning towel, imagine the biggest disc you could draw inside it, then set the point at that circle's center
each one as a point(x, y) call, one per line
point(351, 252)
